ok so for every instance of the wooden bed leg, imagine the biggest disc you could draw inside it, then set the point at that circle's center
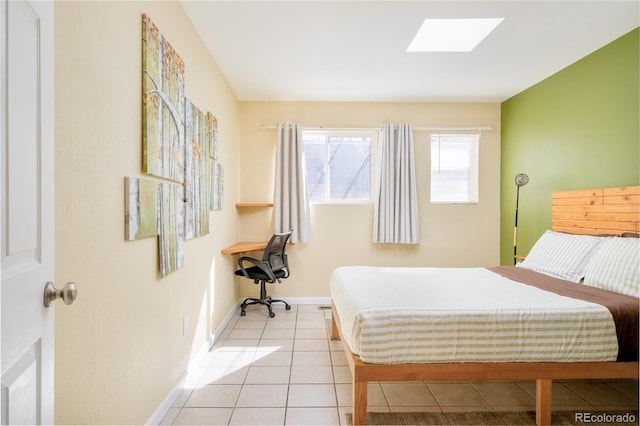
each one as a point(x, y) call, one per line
point(359, 391)
point(543, 402)
point(335, 334)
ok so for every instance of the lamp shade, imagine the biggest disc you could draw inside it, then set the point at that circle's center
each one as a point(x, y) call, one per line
point(522, 179)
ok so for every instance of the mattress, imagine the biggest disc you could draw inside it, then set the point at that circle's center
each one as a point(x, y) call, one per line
point(447, 315)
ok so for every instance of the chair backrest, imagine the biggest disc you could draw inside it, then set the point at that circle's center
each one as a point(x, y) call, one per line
point(274, 252)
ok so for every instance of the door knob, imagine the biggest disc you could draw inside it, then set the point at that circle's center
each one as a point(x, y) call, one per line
point(68, 293)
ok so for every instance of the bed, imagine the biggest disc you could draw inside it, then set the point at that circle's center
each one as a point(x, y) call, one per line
point(563, 313)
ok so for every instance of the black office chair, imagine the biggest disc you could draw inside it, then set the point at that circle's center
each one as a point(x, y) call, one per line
point(273, 267)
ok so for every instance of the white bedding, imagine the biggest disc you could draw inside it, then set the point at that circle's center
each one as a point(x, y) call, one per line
point(443, 315)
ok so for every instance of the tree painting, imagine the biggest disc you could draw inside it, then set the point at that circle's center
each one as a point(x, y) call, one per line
point(212, 124)
point(156, 209)
point(197, 179)
point(141, 207)
point(217, 185)
point(179, 144)
point(171, 228)
point(162, 106)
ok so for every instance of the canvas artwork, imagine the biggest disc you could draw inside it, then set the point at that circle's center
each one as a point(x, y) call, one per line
point(141, 208)
point(171, 228)
point(162, 106)
point(197, 173)
point(217, 185)
point(212, 123)
point(179, 144)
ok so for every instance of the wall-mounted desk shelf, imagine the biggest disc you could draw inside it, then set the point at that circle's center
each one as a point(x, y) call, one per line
point(249, 205)
point(244, 247)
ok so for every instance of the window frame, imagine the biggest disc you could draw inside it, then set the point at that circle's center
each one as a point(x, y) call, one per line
point(474, 166)
point(327, 133)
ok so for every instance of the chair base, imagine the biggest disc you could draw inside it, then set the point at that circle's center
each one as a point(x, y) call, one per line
point(262, 300)
point(267, 302)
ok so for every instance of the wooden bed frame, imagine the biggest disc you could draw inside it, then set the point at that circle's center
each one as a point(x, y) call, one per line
point(596, 212)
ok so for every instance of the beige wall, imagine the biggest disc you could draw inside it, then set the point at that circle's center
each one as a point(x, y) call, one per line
point(451, 235)
point(119, 348)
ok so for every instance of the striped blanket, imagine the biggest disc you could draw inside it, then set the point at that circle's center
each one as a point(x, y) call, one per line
point(445, 315)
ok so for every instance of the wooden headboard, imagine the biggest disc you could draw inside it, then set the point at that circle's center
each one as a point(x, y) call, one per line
point(596, 211)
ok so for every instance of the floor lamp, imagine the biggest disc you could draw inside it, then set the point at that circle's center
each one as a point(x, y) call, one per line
point(521, 180)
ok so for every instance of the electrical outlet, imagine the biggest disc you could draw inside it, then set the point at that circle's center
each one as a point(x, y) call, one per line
point(185, 325)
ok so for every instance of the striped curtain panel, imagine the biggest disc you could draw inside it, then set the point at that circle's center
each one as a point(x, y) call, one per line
point(291, 200)
point(395, 215)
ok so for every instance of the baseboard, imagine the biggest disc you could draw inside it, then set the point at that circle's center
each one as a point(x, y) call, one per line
point(218, 331)
point(196, 361)
point(167, 402)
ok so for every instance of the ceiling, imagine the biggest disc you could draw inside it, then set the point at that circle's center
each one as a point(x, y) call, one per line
point(356, 50)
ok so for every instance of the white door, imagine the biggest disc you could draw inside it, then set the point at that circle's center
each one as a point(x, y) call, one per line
point(27, 133)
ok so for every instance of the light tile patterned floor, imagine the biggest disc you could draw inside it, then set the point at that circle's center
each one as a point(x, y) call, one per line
point(286, 371)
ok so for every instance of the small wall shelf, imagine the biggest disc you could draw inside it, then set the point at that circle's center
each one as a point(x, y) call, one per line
point(244, 247)
point(249, 205)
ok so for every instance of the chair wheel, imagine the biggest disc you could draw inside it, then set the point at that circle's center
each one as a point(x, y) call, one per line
point(271, 314)
point(243, 314)
point(288, 307)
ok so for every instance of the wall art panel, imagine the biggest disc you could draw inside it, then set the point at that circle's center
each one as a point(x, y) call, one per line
point(197, 179)
point(217, 185)
point(141, 208)
point(171, 228)
point(162, 106)
point(212, 123)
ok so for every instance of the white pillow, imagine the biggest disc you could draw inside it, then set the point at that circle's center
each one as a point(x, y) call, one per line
point(616, 266)
point(563, 256)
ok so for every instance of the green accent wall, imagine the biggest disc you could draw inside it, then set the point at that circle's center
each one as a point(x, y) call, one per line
point(578, 129)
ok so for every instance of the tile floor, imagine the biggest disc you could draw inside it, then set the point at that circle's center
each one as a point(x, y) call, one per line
point(286, 371)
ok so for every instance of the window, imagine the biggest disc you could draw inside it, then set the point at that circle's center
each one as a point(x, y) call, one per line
point(338, 165)
point(454, 168)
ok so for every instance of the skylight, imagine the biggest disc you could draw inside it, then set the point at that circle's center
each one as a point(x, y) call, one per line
point(452, 35)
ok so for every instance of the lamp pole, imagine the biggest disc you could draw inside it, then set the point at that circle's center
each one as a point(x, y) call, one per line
point(521, 180)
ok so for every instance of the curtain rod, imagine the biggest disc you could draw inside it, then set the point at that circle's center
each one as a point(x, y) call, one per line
point(417, 128)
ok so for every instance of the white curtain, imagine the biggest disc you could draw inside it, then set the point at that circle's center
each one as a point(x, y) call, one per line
point(291, 201)
point(395, 216)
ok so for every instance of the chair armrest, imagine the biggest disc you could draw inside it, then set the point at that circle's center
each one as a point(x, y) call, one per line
point(286, 266)
point(262, 264)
